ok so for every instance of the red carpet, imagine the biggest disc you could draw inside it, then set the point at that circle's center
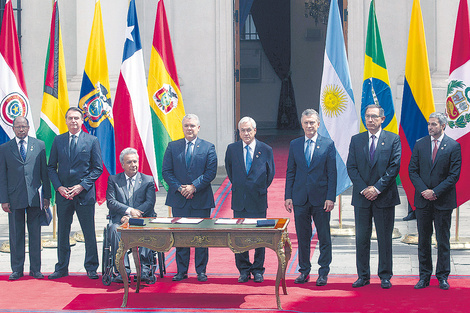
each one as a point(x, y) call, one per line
point(221, 294)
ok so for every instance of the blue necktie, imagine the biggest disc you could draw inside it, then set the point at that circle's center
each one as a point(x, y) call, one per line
point(22, 150)
point(308, 152)
point(189, 153)
point(73, 146)
point(248, 159)
point(372, 149)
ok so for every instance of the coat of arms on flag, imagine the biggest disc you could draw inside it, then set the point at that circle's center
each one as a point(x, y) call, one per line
point(97, 106)
point(12, 106)
point(166, 98)
point(457, 104)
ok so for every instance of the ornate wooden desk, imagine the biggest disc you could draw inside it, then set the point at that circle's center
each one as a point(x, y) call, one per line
point(207, 234)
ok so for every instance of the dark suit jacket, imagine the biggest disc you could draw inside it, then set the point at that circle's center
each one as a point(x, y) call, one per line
point(250, 191)
point(117, 196)
point(84, 169)
point(380, 173)
point(316, 182)
point(20, 180)
point(441, 176)
point(200, 173)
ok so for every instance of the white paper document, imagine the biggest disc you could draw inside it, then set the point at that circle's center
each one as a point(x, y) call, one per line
point(185, 220)
point(250, 221)
point(162, 220)
point(226, 221)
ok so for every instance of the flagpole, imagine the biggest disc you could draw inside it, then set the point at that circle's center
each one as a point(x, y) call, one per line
point(459, 243)
point(342, 230)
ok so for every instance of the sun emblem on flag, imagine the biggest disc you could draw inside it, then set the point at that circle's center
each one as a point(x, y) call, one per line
point(98, 106)
point(12, 106)
point(334, 100)
point(166, 98)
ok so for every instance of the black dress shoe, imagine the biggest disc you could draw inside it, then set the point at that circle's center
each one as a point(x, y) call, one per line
point(202, 277)
point(180, 277)
point(92, 274)
point(145, 277)
point(37, 275)
point(302, 279)
point(443, 284)
point(15, 275)
point(56, 275)
point(410, 216)
point(385, 283)
point(422, 284)
point(361, 282)
point(322, 280)
point(244, 278)
point(258, 278)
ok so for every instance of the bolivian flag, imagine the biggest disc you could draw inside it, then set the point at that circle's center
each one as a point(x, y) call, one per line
point(166, 101)
point(376, 85)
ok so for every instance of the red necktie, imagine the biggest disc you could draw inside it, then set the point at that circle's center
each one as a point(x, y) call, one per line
point(434, 151)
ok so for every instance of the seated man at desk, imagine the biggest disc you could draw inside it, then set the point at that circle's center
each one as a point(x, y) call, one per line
point(130, 194)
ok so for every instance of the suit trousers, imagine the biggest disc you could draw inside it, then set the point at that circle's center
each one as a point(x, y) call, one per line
point(201, 255)
point(242, 260)
point(16, 225)
point(145, 253)
point(303, 227)
point(442, 223)
point(86, 218)
point(384, 219)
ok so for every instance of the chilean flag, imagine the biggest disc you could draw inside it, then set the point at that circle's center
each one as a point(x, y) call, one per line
point(458, 98)
point(131, 110)
point(13, 95)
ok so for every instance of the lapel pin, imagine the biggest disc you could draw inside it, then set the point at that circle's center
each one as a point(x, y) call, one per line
point(383, 143)
point(31, 149)
point(318, 147)
point(257, 156)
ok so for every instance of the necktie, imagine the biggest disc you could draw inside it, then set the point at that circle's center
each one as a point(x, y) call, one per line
point(308, 152)
point(22, 150)
point(248, 159)
point(434, 151)
point(131, 192)
point(73, 146)
point(372, 149)
point(189, 153)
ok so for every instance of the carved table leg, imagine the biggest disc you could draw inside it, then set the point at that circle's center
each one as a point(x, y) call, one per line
point(122, 270)
point(288, 251)
point(135, 254)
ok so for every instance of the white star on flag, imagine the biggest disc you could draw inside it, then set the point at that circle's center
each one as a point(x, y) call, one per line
point(129, 31)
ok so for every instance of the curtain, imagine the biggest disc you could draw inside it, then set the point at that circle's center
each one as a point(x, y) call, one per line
point(272, 21)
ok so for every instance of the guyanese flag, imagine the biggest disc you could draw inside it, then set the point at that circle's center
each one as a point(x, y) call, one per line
point(166, 101)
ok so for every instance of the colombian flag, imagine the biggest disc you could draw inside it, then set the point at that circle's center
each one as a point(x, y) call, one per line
point(418, 100)
point(376, 85)
point(95, 101)
point(166, 101)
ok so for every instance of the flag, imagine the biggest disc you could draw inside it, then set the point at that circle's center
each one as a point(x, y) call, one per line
point(418, 100)
point(166, 101)
point(376, 85)
point(55, 100)
point(131, 110)
point(337, 111)
point(13, 95)
point(95, 101)
point(458, 98)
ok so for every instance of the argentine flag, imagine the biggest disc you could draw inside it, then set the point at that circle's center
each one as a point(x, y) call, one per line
point(338, 118)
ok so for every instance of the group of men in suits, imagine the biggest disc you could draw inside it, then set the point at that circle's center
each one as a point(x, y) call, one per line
point(373, 164)
point(190, 165)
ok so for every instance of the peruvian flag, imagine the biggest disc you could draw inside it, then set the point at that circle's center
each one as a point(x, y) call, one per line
point(13, 95)
point(458, 98)
point(131, 110)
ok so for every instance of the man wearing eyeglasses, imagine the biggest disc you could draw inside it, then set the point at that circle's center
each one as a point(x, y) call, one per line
point(23, 170)
point(373, 164)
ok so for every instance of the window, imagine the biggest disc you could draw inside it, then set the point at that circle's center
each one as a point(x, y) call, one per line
point(249, 31)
